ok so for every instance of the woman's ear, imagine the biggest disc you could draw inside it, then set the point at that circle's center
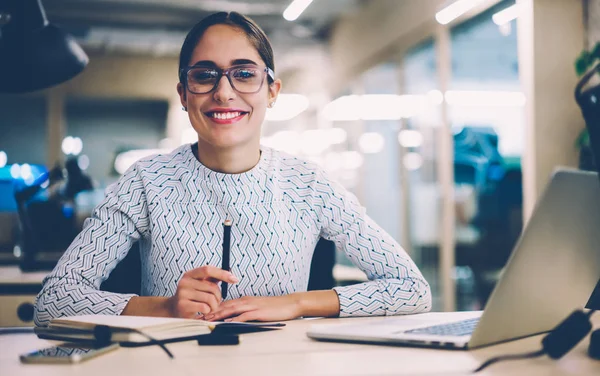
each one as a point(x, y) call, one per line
point(182, 95)
point(274, 90)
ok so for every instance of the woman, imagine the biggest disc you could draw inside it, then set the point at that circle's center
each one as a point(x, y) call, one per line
point(279, 205)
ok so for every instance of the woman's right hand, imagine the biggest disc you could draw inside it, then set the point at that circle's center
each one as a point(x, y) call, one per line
point(198, 292)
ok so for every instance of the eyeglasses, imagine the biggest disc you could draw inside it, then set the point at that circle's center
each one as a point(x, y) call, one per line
point(245, 79)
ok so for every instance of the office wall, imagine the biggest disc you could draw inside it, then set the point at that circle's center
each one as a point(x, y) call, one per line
point(23, 129)
point(118, 76)
point(107, 126)
point(114, 77)
point(546, 65)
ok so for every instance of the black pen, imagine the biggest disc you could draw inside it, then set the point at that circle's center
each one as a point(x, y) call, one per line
point(225, 260)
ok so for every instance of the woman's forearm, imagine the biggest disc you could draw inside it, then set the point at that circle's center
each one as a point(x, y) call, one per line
point(324, 303)
point(157, 306)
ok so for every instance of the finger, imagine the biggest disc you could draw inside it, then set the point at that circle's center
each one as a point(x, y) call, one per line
point(202, 297)
point(247, 316)
point(208, 271)
point(201, 285)
point(193, 310)
point(221, 313)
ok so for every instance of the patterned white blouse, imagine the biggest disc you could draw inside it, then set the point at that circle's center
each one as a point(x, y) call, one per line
point(174, 206)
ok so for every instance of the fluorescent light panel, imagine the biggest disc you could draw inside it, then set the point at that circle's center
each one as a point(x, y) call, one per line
point(455, 10)
point(295, 9)
point(506, 15)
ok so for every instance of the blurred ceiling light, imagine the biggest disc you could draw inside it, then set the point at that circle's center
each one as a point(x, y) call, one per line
point(26, 171)
point(380, 107)
point(374, 107)
point(77, 145)
point(313, 142)
point(351, 160)
point(283, 140)
point(345, 108)
point(409, 138)
point(295, 9)
point(15, 171)
point(3, 159)
point(83, 162)
point(127, 159)
point(336, 136)
point(455, 10)
point(475, 98)
point(506, 15)
point(412, 161)
point(72, 145)
point(435, 97)
point(333, 161)
point(288, 106)
point(371, 142)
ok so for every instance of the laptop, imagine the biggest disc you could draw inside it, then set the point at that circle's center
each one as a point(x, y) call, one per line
point(551, 272)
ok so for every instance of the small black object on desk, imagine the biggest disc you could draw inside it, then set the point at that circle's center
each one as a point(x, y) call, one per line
point(218, 340)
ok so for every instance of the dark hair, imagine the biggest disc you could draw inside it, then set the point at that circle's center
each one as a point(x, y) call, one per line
point(255, 35)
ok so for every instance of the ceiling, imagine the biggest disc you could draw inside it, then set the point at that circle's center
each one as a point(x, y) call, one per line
point(158, 27)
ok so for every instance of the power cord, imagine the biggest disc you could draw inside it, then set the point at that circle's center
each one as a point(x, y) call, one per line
point(103, 334)
point(557, 343)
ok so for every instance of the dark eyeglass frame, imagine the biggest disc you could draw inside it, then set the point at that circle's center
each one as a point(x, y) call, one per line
point(266, 71)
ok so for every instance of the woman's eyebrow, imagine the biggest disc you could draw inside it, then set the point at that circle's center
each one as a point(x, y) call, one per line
point(243, 62)
point(212, 64)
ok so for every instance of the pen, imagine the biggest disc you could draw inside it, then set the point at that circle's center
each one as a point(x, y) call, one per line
point(225, 260)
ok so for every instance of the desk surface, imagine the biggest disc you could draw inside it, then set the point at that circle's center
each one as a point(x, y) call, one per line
point(290, 352)
point(13, 275)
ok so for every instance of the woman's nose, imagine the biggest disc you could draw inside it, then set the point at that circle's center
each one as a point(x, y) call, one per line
point(224, 92)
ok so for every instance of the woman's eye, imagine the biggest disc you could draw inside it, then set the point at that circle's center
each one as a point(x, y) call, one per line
point(244, 74)
point(205, 75)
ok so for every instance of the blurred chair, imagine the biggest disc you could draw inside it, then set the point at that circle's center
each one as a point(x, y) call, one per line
point(500, 223)
point(587, 94)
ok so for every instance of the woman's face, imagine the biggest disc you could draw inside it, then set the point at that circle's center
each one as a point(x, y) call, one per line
point(214, 115)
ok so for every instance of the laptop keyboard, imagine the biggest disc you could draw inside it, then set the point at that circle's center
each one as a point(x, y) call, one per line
point(458, 328)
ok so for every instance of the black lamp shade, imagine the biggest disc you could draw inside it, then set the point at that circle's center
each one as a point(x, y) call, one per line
point(35, 54)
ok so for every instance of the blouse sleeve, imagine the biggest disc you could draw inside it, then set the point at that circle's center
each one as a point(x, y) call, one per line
point(396, 286)
point(72, 288)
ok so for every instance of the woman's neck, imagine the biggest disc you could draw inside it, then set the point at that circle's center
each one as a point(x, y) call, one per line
point(229, 161)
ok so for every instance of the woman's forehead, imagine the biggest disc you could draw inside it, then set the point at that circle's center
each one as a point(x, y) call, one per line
point(222, 45)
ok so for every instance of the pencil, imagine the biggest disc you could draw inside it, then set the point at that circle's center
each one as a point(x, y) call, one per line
point(226, 250)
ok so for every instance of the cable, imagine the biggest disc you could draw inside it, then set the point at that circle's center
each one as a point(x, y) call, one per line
point(103, 334)
point(491, 361)
point(558, 342)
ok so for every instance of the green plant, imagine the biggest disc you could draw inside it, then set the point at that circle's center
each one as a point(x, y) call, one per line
point(585, 61)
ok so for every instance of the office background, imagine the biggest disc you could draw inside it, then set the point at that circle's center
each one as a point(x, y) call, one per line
point(446, 133)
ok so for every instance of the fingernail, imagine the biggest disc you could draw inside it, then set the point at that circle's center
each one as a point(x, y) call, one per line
point(228, 320)
point(234, 279)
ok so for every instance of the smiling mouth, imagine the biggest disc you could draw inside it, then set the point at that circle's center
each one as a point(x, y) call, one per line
point(225, 115)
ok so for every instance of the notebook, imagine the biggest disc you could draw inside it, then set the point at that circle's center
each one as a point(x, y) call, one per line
point(124, 328)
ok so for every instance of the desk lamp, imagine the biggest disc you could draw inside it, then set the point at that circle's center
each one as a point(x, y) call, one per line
point(34, 54)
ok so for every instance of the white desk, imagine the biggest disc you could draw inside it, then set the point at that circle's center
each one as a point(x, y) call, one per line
point(18, 289)
point(290, 352)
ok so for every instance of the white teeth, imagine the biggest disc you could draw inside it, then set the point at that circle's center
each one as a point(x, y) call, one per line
point(225, 115)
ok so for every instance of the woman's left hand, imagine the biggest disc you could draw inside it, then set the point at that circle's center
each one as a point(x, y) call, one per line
point(255, 308)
